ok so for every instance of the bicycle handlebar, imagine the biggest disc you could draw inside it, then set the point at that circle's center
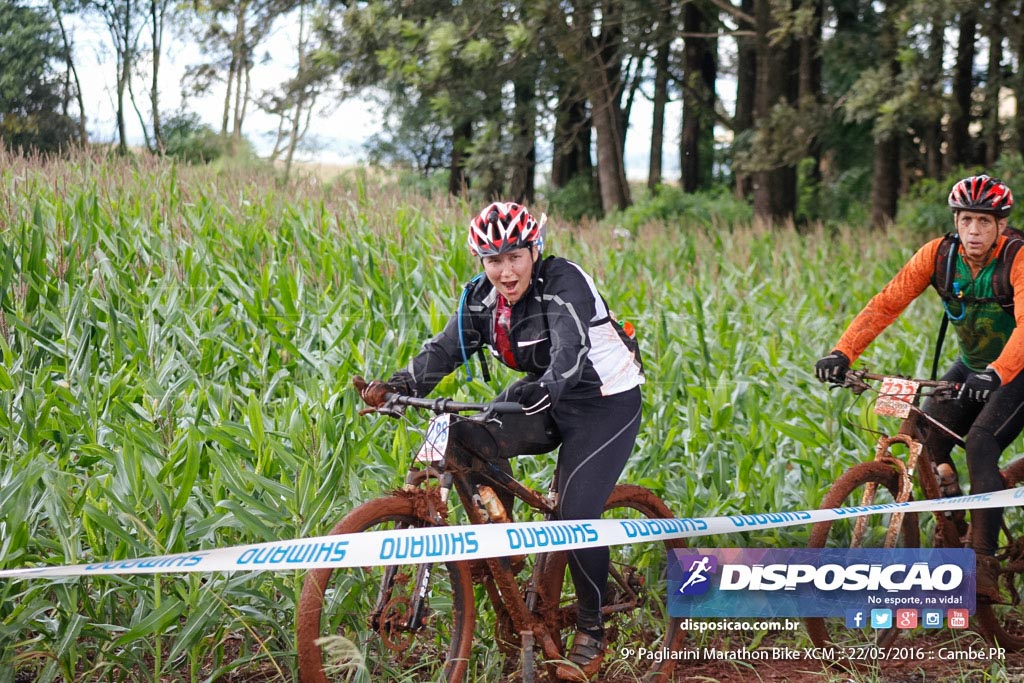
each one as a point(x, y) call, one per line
point(447, 405)
point(855, 382)
point(940, 389)
point(394, 404)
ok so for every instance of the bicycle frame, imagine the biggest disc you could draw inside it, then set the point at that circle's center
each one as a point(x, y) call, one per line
point(499, 579)
point(424, 615)
point(530, 616)
point(998, 622)
point(917, 462)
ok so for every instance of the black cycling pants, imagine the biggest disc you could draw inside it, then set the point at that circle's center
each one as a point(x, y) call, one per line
point(596, 436)
point(989, 428)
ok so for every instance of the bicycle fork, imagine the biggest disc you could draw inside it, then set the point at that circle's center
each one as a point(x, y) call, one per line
point(883, 453)
point(389, 615)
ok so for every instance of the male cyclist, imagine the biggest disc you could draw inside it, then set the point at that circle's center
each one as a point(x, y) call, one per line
point(544, 317)
point(979, 274)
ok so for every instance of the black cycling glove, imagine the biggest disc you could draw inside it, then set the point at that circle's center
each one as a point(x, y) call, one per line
point(832, 368)
point(980, 385)
point(533, 396)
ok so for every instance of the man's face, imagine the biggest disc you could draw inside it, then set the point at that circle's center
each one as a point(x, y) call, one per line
point(978, 233)
point(510, 272)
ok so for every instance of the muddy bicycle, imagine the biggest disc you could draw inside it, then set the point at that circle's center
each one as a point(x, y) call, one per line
point(418, 622)
point(890, 478)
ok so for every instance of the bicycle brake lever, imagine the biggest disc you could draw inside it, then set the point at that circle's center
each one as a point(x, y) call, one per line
point(855, 386)
point(390, 409)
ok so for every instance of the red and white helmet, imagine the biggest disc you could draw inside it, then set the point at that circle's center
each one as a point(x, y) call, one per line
point(502, 227)
point(983, 194)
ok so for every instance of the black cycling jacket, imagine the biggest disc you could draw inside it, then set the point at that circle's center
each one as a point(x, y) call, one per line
point(561, 334)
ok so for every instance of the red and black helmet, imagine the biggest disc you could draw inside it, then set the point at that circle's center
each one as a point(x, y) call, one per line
point(502, 227)
point(983, 194)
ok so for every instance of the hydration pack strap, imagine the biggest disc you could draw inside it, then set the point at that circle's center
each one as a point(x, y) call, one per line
point(462, 334)
point(946, 313)
point(484, 370)
point(938, 344)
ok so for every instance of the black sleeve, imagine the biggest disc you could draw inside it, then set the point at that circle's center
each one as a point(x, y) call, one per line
point(569, 307)
point(440, 356)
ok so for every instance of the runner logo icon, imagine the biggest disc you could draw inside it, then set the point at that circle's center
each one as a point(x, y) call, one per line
point(697, 571)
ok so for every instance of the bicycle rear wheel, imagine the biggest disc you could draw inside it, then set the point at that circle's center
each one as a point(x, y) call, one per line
point(638, 575)
point(868, 483)
point(1004, 624)
point(372, 608)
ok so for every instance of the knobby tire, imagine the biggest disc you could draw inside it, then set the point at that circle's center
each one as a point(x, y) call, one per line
point(647, 626)
point(339, 602)
point(847, 491)
point(1004, 624)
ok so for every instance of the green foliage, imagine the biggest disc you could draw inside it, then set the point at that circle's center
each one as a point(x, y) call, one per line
point(28, 46)
point(187, 138)
point(839, 202)
point(925, 208)
point(176, 346)
point(781, 139)
point(31, 115)
point(414, 138)
point(716, 208)
point(433, 185)
point(1010, 169)
point(578, 199)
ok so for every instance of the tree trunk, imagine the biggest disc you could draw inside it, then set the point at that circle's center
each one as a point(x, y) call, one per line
point(699, 74)
point(226, 116)
point(661, 64)
point(83, 133)
point(524, 144)
point(124, 73)
point(572, 138)
point(458, 181)
point(885, 181)
point(594, 58)
point(993, 84)
point(240, 60)
point(300, 96)
point(931, 133)
point(885, 175)
point(746, 87)
point(142, 119)
point(960, 152)
point(809, 95)
point(605, 94)
point(611, 171)
point(774, 188)
point(156, 16)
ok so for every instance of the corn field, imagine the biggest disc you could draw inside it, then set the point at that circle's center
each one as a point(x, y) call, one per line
point(177, 347)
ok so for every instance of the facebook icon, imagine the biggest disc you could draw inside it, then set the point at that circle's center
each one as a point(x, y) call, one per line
point(855, 618)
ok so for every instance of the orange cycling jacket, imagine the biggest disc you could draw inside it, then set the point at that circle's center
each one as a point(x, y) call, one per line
point(908, 284)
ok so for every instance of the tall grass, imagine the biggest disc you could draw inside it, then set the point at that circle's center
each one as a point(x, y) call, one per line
point(176, 351)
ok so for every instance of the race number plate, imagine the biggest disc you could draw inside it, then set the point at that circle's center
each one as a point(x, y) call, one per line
point(436, 440)
point(896, 396)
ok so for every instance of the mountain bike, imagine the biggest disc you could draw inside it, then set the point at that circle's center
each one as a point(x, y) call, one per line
point(889, 478)
point(417, 622)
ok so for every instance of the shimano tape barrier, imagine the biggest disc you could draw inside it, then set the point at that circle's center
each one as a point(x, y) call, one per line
point(454, 543)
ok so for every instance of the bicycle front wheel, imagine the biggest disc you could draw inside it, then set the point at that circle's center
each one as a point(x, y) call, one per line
point(868, 483)
point(636, 613)
point(1004, 624)
point(370, 622)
